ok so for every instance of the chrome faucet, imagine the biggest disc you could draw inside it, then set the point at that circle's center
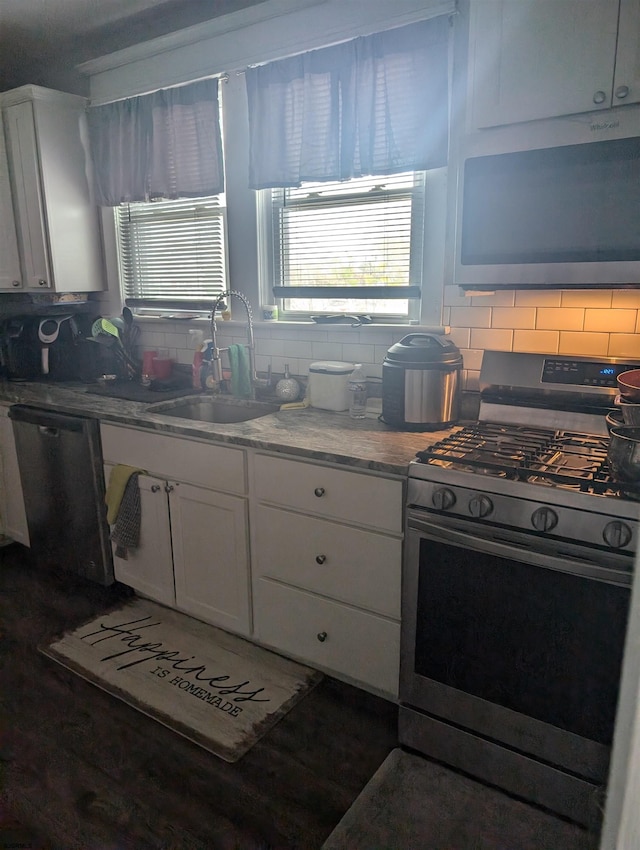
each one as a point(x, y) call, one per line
point(216, 364)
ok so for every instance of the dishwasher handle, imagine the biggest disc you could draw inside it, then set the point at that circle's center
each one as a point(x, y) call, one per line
point(46, 419)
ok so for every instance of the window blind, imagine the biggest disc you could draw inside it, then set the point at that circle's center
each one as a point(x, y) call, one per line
point(365, 232)
point(173, 251)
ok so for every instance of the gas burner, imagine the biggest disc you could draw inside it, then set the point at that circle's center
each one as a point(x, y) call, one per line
point(546, 457)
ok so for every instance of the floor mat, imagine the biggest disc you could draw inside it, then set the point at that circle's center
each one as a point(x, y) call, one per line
point(412, 803)
point(218, 690)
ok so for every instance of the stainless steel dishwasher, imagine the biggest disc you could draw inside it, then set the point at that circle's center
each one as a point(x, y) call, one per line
point(60, 461)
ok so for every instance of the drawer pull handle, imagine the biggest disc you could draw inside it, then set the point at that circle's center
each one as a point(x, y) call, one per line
point(155, 488)
point(320, 559)
point(322, 636)
point(319, 491)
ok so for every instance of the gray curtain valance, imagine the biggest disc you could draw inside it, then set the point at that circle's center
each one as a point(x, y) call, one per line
point(373, 105)
point(162, 145)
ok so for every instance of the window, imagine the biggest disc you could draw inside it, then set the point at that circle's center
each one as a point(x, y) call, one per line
point(173, 253)
point(349, 247)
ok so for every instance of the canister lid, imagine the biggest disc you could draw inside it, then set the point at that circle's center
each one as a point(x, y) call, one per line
point(331, 367)
point(425, 348)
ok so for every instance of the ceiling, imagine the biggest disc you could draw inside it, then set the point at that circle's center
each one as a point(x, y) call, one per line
point(41, 41)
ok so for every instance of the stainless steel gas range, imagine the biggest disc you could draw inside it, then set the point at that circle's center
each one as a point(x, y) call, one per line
point(516, 585)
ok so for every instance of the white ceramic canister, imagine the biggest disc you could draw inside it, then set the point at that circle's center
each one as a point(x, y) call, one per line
point(328, 381)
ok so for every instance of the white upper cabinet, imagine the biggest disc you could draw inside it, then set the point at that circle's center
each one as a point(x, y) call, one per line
point(49, 168)
point(10, 277)
point(535, 59)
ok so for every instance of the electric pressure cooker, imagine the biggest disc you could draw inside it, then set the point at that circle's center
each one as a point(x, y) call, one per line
point(421, 383)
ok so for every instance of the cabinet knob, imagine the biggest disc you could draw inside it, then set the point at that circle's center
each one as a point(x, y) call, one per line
point(621, 92)
point(320, 559)
point(599, 97)
point(155, 488)
point(322, 636)
point(42, 282)
point(319, 491)
point(168, 488)
point(15, 283)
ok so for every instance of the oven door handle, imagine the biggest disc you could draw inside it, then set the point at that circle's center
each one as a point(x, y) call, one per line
point(513, 549)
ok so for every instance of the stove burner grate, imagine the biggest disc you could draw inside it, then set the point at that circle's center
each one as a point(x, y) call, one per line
point(536, 455)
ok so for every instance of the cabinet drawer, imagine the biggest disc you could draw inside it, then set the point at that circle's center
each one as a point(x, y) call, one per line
point(351, 565)
point(177, 458)
point(335, 493)
point(363, 648)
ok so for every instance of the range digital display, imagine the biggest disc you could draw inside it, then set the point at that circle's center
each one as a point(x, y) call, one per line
point(582, 373)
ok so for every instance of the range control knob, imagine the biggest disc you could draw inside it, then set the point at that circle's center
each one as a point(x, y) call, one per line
point(544, 519)
point(480, 506)
point(617, 534)
point(443, 498)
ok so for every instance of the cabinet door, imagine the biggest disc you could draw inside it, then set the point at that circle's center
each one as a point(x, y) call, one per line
point(149, 568)
point(13, 518)
point(626, 83)
point(210, 555)
point(56, 220)
point(540, 58)
point(10, 274)
point(23, 160)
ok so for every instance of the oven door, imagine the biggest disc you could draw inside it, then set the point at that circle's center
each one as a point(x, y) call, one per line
point(514, 638)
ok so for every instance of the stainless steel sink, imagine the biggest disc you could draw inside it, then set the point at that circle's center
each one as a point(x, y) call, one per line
point(215, 409)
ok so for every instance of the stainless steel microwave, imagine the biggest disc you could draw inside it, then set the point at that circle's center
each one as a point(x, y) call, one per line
point(550, 204)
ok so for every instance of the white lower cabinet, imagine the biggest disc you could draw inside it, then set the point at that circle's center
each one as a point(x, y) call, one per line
point(193, 553)
point(13, 517)
point(149, 568)
point(327, 559)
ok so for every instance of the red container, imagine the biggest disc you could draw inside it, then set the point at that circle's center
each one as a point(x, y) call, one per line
point(162, 367)
point(147, 362)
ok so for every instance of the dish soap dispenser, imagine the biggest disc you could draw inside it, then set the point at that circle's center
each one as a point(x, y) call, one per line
point(287, 389)
point(357, 389)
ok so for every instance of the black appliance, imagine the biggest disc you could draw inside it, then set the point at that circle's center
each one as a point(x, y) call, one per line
point(72, 357)
point(60, 461)
point(516, 585)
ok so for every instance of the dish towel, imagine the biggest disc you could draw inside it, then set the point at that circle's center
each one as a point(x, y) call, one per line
point(126, 530)
point(240, 371)
point(123, 508)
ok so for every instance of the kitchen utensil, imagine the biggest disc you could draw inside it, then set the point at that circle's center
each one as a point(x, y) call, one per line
point(629, 384)
point(287, 389)
point(623, 454)
point(48, 331)
point(614, 419)
point(421, 383)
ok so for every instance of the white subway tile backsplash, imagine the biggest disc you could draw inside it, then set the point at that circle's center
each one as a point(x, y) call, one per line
point(559, 318)
point(626, 298)
point(624, 345)
point(454, 297)
point(359, 353)
point(471, 317)
point(326, 351)
point(537, 298)
point(590, 344)
point(461, 337)
point(472, 358)
point(505, 298)
point(493, 339)
point(610, 321)
point(586, 298)
point(513, 317)
point(542, 342)
point(274, 347)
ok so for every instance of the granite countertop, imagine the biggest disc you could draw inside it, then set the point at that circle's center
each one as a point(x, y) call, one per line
point(316, 434)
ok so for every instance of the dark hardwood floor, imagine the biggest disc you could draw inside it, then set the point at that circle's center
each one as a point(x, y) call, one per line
point(79, 769)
